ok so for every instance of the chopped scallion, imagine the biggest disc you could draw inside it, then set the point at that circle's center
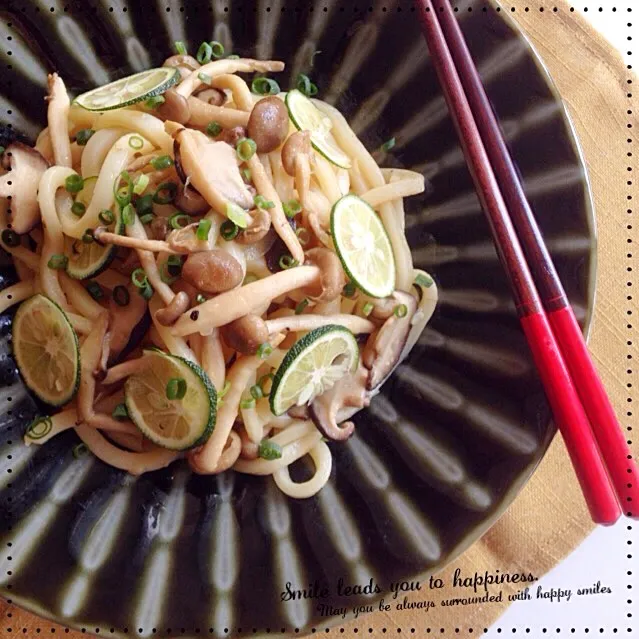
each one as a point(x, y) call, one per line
point(165, 193)
point(95, 290)
point(287, 261)
point(204, 53)
point(106, 216)
point(120, 412)
point(217, 49)
point(264, 350)
point(176, 388)
point(265, 86)
point(179, 220)
point(256, 392)
point(204, 77)
point(141, 183)
point(245, 149)
point(269, 450)
point(401, 310)
point(299, 309)
point(161, 162)
point(136, 142)
point(78, 209)
point(83, 136)
point(154, 102)
point(213, 129)
point(229, 230)
point(367, 309)
point(262, 203)
point(74, 183)
point(388, 145)
point(128, 214)
point(203, 228)
point(247, 403)
point(291, 208)
point(423, 280)
point(180, 47)
point(58, 262)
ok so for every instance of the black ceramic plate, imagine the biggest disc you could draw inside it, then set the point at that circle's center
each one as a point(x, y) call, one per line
point(437, 457)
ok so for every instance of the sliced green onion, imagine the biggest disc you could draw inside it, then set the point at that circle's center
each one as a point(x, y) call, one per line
point(200, 299)
point(233, 56)
point(10, 238)
point(179, 220)
point(144, 205)
point(165, 193)
point(303, 235)
point(245, 149)
point(78, 209)
point(146, 292)
point(299, 309)
point(128, 214)
point(265, 86)
point(141, 183)
point(95, 290)
point(236, 214)
point(269, 450)
point(136, 142)
point(287, 261)
point(305, 86)
point(174, 265)
point(262, 203)
point(263, 383)
point(176, 388)
point(256, 392)
point(264, 350)
point(106, 216)
point(388, 145)
point(74, 183)
point(246, 174)
point(247, 403)
point(423, 280)
point(121, 295)
point(88, 237)
point(204, 77)
point(349, 290)
point(146, 218)
point(58, 262)
point(165, 275)
point(83, 136)
point(40, 427)
point(213, 129)
point(203, 228)
point(161, 162)
point(204, 53)
point(154, 102)
point(123, 194)
point(120, 412)
point(180, 47)
point(229, 230)
point(139, 278)
point(217, 49)
point(79, 450)
point(401, 310)
point(367, 309)
point(292, 208)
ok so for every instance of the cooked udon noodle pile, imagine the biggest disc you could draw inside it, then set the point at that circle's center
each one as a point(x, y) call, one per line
point(208, 269)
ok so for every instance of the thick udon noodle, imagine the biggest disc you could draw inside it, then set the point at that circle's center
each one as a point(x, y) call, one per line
point(238, 430)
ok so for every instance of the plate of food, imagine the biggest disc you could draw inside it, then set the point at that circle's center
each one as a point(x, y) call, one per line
point(259, 360)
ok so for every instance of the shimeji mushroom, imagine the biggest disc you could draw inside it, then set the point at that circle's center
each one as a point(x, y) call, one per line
point(245, 300)
point(21, 185)
point(297, 155)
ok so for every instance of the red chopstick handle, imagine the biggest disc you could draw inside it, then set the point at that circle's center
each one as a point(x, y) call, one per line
point(622, 468)
point(571, 420)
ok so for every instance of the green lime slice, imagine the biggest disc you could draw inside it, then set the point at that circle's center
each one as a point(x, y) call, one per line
point(129, 90)
point(313, 365)
point(363, 246)
point(46, 350)
point(307, 117)
point(90, 259)
point(176, 424)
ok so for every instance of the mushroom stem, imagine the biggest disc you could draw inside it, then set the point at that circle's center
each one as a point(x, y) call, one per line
point(202, 113)
point(298, 323)
point(220, 67)
point(155, 246)
point(119, 372)
point(58, 118)
point(231, 305)
point(303, 185)
point(278, 217)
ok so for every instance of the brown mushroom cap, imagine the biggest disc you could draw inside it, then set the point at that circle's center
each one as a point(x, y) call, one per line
point(297, 144)
point(268, 124)
point(246, 334)
point(213, 271)
point(331, 281)
point(21, 184)
point(175, 107)
point(258, 229)
point(169, 315)
point(210, 95)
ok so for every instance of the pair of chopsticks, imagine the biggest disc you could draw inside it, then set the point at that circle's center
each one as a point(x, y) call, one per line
point(603, 463)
